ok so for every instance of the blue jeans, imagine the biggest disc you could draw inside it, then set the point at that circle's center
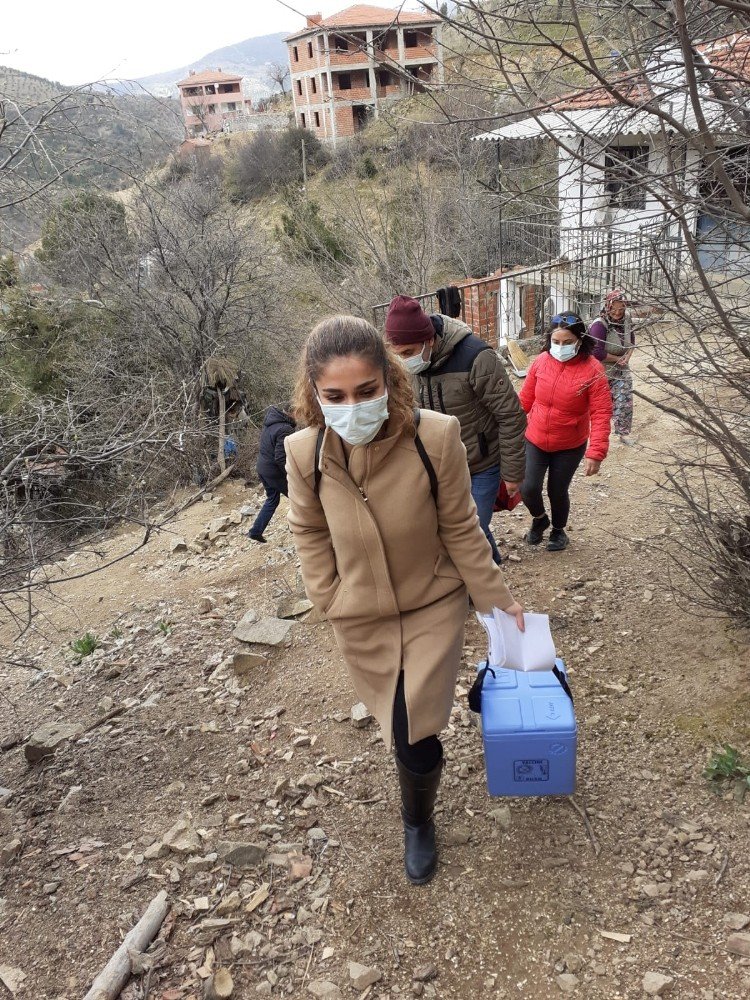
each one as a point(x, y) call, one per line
point(484, 487)
point(273, 499)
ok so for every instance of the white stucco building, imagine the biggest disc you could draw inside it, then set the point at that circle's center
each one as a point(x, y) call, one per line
point(634, 188)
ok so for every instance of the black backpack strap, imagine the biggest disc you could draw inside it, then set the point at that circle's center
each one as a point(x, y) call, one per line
point(429, 467)
point(563, 682)
point(316, 467)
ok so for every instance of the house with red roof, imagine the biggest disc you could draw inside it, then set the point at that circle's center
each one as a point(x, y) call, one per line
point(209, 99)
point(636, 189)
point(345, 68)
point(623, 145)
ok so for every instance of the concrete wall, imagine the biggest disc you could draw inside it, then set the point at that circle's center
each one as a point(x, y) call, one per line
point(274, 120)
point(583, 200)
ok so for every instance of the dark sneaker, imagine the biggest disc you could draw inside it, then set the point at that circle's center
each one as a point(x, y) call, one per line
point(558, 540)
point(536, 532)
point(256, 537)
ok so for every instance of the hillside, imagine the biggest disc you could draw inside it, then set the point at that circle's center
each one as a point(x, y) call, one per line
point(26, 88)
point(250, 58)
point(106, 138)
point(526, 903)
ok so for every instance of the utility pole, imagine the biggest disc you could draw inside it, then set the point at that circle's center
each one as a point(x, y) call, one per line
point(304, 167)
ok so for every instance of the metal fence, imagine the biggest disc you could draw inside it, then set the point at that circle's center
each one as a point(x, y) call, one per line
point(478, 306)
point(646, 265)
point(526, 241)
point(564, 270)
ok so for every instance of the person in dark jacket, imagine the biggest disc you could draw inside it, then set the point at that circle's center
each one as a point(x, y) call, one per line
point(277, 426)
point(459, 374)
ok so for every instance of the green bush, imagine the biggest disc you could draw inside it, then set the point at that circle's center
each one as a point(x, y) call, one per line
point(37, 338)
point(8, 271)
point(366, 168)
point(308, 236)
point(75, 235)
point(727, 764)
point(271, 161)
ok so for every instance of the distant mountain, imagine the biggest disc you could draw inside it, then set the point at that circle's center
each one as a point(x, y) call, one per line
point(249, 59)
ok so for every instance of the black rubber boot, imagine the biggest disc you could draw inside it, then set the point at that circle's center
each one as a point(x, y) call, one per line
point(536, 532)
point(256, 537)
point(558, 540)
point(418, 794)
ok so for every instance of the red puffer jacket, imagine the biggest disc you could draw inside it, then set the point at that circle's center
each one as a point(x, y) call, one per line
point(567, 402)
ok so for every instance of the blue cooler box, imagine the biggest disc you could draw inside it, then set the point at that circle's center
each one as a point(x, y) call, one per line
point(529, 731)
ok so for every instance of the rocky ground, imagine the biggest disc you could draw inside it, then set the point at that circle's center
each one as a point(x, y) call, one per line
point(230, 774)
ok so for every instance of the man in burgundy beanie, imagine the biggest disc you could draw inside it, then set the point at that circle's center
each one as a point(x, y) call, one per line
point(455, 372)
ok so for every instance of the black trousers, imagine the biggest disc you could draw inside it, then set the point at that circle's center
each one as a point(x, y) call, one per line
point(272, 501)
point(559, 466)
point(420, 757)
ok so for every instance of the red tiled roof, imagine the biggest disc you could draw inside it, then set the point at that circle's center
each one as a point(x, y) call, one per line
point(209, 76)
point(363, 15)
point(728, 58)
point(632, 85)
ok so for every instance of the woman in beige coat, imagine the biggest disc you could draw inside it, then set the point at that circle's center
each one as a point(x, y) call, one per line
point(385, 558)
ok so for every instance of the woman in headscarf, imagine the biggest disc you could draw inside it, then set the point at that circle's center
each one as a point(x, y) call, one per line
point(614, 341)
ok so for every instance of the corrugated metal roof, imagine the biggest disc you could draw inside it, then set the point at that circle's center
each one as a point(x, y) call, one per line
point(609, 121)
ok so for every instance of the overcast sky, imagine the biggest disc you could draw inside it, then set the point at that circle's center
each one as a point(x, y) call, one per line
point(80, 41)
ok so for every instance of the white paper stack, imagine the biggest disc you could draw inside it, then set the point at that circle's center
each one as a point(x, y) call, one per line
point(531, 650)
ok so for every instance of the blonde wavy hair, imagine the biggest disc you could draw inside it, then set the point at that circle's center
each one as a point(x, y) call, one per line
point(341, 337)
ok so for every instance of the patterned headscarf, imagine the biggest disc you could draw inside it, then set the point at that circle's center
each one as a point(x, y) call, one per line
point(616, 295)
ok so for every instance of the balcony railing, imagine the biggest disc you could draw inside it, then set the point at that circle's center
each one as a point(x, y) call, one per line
point(418, 52)
point(389, 55)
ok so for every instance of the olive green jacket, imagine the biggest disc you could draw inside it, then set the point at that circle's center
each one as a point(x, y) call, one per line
point(466, 379)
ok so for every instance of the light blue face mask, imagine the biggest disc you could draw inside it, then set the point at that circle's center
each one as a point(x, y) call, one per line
point(416, 364)
point(356, 423)
point(563, 352)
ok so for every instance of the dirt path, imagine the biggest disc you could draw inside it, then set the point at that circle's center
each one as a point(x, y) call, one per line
point(521, 897)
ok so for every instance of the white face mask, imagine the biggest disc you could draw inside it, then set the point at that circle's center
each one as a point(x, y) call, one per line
point(356, 423)
point(417, 363)
point(563, 352)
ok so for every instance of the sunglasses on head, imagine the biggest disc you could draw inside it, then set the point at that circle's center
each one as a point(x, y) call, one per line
point(566, 319)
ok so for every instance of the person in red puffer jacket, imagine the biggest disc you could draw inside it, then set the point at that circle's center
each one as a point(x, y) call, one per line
point(569, 406)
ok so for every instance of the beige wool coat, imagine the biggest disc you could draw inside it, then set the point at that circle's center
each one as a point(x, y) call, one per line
point(389, 567)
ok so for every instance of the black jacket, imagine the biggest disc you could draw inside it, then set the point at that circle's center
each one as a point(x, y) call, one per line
point(271, 457)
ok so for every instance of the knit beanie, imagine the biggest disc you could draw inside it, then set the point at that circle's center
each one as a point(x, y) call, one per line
point(407, 322)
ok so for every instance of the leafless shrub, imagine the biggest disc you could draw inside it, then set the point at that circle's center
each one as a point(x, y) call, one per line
point(134, 304)
point(673, 80)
